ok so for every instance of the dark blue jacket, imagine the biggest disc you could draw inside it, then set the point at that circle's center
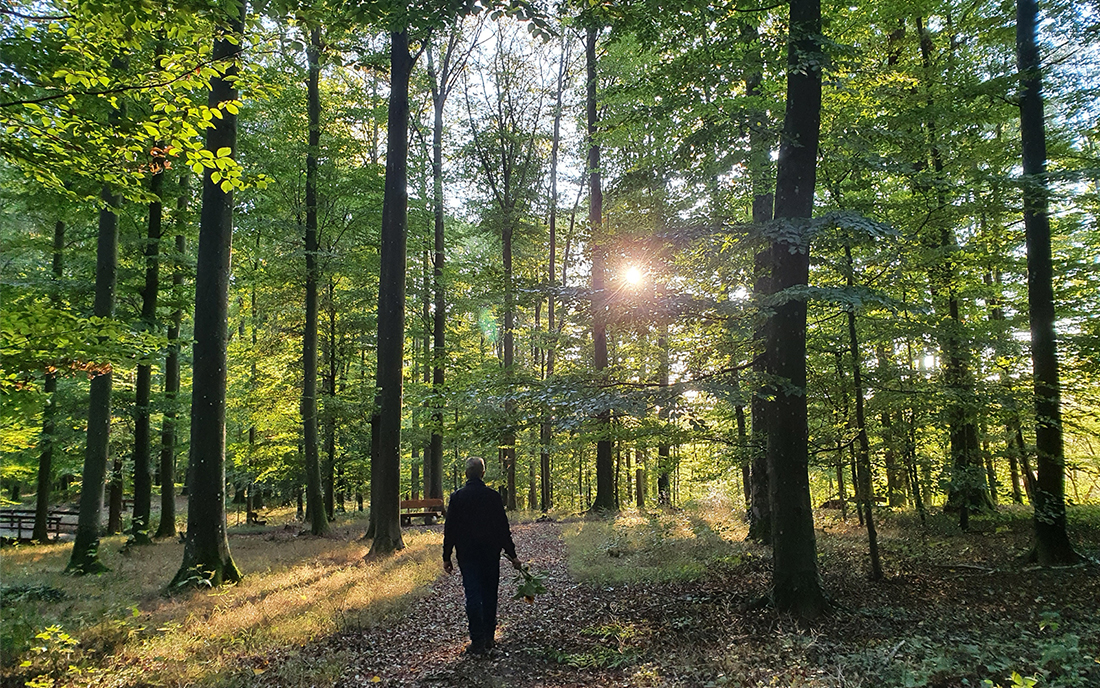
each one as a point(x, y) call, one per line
point(476, 523)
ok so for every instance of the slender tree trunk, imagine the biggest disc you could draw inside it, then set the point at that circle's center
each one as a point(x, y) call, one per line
point(85, 554)
point(315, 501)
point(167, 527)
point(863, 457)
point(330, 412)
point(206, 555)
point(664, 459)
point(967, 490)
point(386, 474)
point(143, 483)
point(1052, 544)
point(796, 586)
point(434, 486)
point(763, 201)
point(45, 459)
point(605, 488)
point(509, 439)
point(545, 429)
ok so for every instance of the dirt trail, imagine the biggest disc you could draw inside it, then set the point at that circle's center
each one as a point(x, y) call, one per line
point(425, 648)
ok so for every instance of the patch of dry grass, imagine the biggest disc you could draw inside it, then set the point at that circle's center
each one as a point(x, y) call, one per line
point(656, 545)
point(296, 589)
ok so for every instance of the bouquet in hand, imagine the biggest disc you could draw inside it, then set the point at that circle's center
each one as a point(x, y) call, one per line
point(528, 585)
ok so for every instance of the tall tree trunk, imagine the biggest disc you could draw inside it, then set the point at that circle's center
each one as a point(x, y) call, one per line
point(330, 411)
point(545, 429)
point(763, 201)
point(434, 461)
point(167, 526)
point(45, 459)
point(206, 555)
point(1052, 544)
point(605, 487)
point(664, 459)
point(863, 456)
point(85, 554)
point(386, 474)
point(508, 441)
point(315, 502)
point(143, 482)
point(796, 586)
point(967, 490)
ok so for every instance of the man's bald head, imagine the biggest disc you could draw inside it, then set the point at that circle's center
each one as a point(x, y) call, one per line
point(475, 467)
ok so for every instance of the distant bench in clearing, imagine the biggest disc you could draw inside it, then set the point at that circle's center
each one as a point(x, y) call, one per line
point(19, 520)
point(429, 509)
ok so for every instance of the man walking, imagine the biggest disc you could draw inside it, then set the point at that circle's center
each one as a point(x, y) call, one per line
point(477, 528)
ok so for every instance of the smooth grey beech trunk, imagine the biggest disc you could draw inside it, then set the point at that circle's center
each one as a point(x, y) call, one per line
point(206, 555)
point(796, 585)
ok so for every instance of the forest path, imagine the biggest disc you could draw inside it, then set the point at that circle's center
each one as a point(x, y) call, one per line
point(425, 646)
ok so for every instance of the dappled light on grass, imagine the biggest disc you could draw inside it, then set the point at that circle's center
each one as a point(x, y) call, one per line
point(657, 545)
point(296, 589)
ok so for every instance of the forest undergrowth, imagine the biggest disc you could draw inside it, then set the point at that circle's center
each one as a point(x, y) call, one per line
point(661, 598)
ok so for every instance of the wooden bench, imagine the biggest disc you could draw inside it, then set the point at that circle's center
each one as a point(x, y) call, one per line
point(428, 509)
point(18, 520)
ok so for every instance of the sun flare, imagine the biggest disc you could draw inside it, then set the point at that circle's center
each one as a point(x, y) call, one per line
point(633, 275)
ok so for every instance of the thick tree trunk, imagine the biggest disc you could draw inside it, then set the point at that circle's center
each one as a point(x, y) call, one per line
point(206, 555)
point(605, 478)
point(315, 505)
point(1052, 544)
point(143, 482)
point(386, 471)
point(434, 486)
point(85, 554)
point(796, 585)
point(167, 526)
point(45, 459)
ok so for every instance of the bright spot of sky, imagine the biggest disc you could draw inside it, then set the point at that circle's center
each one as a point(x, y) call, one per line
point(633, 275)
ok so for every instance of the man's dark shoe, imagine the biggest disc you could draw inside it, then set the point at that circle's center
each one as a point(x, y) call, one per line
point(477, 647)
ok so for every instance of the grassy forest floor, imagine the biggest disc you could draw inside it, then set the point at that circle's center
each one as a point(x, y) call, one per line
point(658, 599)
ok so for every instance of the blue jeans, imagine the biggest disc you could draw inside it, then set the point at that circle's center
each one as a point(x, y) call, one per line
point(480, 580)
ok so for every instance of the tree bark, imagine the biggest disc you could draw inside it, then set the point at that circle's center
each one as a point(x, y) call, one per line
point(386, 474)
point(760, 143)
point(167, 526)
point(315, 504)
point(796, 586)
point(143, 483)
point(434, 466)
point(206, 555)
point(863, 456)
point(605, 487)
point(1052, 544)
point(45, 459)
point(967, 490)
point(85, 554)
